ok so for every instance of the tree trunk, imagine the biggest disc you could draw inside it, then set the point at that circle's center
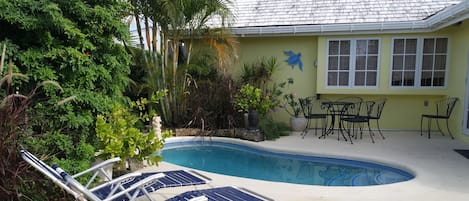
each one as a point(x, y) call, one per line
point(154, 37)
point(139, 30)
point(147, 33)
point(189, 51)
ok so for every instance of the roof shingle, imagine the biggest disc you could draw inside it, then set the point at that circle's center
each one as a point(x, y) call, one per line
point(259, 13)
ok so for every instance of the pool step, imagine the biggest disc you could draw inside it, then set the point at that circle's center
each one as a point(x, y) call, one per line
point(387, 178)
point(360, 179)
point(339, 180)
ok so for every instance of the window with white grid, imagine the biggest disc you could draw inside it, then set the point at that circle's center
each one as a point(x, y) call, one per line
point(353, 62)
point(419, 62)
point(434, 57)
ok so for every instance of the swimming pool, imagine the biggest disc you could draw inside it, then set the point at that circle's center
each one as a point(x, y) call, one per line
point(249, 162)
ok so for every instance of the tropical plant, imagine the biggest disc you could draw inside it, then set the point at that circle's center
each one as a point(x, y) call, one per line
point(179, 22)
point(251, 98)
point(272, 129)
point(292, 105)
point(210, 104)
point(259, 73)
point(118, 137)
point(15, 116)
point(120, 131)
point(291, 102)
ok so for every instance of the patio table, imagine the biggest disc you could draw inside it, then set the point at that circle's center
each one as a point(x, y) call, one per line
point(336, 109)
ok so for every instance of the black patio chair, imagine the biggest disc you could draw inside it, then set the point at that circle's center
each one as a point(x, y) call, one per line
point(375, 113)
point(444, 108)
point(338, 109)
point(357, 113)
point(313, 110)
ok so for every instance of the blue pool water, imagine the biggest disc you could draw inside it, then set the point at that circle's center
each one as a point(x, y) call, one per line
point(243, 161)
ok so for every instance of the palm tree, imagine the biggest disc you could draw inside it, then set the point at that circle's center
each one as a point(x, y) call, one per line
point(179, 22)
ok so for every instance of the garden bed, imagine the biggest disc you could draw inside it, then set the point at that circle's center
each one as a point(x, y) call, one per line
point(251, 135)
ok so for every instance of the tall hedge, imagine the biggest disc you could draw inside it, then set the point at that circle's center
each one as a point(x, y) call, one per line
point(73, 42)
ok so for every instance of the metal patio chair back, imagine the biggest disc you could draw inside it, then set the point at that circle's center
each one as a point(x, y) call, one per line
point(444, 109)
point(376, 111)
point(313, 110)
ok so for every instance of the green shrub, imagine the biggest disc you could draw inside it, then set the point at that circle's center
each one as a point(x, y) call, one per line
point(119, 137)
point(273, 129)
point(252, 98)
point(16, 113)
point(74, 44)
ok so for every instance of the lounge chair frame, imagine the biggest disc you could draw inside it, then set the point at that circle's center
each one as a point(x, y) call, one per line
point(116, 185)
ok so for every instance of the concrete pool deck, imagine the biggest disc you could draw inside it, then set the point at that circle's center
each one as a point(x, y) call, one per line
point(440, 172)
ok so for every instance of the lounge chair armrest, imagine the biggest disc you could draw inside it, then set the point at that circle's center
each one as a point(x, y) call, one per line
point(139, 184)
point(117, 180)
point(97, 167)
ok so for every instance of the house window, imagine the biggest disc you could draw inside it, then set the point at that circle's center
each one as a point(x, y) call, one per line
point(434, 62)
point(352, 62)
point(419, 62)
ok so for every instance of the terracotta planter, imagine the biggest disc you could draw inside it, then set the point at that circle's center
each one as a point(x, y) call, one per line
point(298, 123)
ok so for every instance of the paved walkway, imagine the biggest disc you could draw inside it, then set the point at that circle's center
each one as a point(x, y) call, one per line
point(441, 173)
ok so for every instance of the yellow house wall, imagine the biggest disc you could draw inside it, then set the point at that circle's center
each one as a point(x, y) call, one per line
point(404, 106)
point(251, 49)
point(457, 84)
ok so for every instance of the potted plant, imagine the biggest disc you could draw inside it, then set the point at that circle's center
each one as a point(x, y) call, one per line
point(251, 100)
point(293, 108)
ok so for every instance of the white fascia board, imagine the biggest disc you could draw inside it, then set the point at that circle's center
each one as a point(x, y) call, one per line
point(449, 13)
point(335, 29)
point(450, 22)
point(440, 20)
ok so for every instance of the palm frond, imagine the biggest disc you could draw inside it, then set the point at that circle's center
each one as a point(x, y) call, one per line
point(10, 76)
point(50, 82)
point(12, 96)
point(66, 100)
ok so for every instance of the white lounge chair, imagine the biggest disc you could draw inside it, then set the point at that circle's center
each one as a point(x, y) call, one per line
point(126, 187)
point(133, 185)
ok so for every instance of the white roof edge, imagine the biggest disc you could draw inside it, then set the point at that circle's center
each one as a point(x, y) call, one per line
point(448, 16)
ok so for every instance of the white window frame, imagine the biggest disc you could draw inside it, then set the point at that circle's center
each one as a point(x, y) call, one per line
point(352, 64)
point(419, 61)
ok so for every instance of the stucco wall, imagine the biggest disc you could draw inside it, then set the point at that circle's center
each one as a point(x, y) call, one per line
point(252, 48)
point(459, 64)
